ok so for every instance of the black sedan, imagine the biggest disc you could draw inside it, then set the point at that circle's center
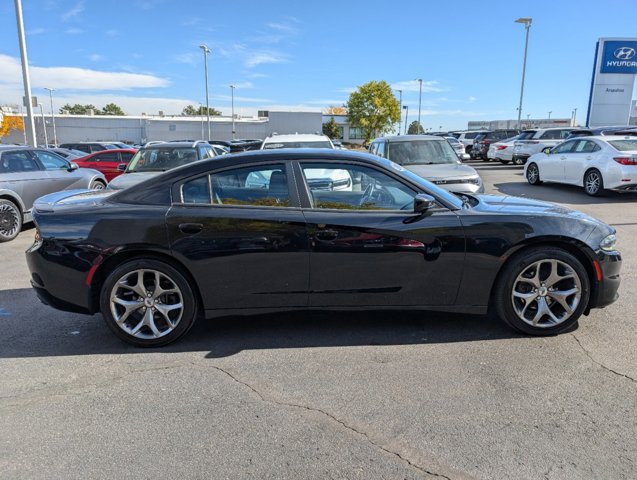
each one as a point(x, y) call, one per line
point(298, 229)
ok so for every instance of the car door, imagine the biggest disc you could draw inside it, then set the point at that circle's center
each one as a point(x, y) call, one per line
point(106, 162)
point(57, 170)
point(368, 248)
point(584, 153)
point(23, 175)
point(552, 166)
point(244, 241)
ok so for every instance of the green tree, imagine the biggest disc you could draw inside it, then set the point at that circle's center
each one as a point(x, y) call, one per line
point(374, 108)
point(331, 129)
point(78, 109)
point(415, 128)
point(190, 111)
point(111, 109)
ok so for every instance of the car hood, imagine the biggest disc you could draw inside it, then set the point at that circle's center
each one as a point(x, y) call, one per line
point(70, 198)
point(442, 171)
point(129, 179)
point(521, 206)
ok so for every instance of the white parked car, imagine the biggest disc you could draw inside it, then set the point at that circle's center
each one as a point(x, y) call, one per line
point(535, 140)
point(458, 147)
point(502, 151)
point(596, 163)
point(297, 141)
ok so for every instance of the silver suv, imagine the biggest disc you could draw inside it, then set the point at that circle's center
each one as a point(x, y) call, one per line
point(533, 141)
point(431, 158)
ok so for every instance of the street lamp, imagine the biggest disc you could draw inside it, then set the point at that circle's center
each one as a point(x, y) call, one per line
point(201, 117)
point(55, 136)
point(527, 25)
point(400, 109)
point(46, 140)
point(232, 87)
point(550, 115)
point(206, 51)
point(419, 80)
point(406, 108)
point(26, 80)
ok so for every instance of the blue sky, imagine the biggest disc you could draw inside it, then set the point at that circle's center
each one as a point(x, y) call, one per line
point(293, 55)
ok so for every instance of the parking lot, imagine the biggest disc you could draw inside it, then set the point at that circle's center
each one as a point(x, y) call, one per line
point(325, 394)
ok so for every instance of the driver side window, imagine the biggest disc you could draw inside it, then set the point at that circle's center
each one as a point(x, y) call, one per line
point(566, 147)
point(51, 161)
point(354, 187)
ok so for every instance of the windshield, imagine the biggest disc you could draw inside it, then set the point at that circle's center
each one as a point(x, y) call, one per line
point(421, 152)
point(624, 145)
point(526, 135)
point(319, 144)
point(160, 159)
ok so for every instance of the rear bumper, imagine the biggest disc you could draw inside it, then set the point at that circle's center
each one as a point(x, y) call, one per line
point(520, 156)
point(605, 292)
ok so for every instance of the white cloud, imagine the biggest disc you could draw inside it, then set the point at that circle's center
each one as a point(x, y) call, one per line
point(74, 11)
point(258, 75)
point(472, 99)
point(75, 78)
point(228, 98)
point(259, 58)
point(96, 57)
point(187, 58)
point(414, 86)
point(282, 27)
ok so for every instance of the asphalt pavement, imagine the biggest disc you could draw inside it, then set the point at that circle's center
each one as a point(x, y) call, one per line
point(381, 395)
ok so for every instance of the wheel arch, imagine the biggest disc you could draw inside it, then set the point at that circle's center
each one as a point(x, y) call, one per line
point(575, 247)
point(113, 261)
point(13, 197)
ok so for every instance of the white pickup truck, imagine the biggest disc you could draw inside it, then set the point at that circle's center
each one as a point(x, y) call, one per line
point(533, 141)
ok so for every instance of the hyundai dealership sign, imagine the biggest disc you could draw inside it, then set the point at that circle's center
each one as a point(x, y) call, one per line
point(613, 82)
point(619, 57)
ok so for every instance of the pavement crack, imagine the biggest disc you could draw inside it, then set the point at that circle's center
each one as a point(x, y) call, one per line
point(335, 419)
point(590, 356)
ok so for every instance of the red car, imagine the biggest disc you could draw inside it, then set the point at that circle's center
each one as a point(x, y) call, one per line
point(107, 161)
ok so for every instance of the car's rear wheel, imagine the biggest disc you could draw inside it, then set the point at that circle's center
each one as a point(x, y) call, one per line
point(593, 183)
point(10, 220)
point(504, 162)
point(533, 174)
point(518, 161)
point(542, 291)
point(97, 185)
point(148, 303)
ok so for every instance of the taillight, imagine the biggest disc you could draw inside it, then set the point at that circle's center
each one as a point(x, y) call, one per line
point(501, 147)
point(626, 160)
point(484, 142)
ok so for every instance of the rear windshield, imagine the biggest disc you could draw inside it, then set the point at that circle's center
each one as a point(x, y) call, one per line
point(320, 144)
point(624, 145)
point(421, 152)
point(471, 135)
point(161, 159)
point(527, 134)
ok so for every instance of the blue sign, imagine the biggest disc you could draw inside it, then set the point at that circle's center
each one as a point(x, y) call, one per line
point(619, 57)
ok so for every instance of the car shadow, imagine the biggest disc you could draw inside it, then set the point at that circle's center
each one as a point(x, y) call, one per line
point(561, 193)
point(31, 329)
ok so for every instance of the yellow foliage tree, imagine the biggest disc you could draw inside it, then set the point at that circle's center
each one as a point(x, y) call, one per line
point(335, 110)
point(10, 122)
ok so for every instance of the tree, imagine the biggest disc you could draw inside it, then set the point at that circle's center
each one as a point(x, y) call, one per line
point(331, 129)
point(334, 110)
point(190, 111)
point(10, 122)
point(415, 128)
point(111, 109)
point(374, 108)
point(78, 109)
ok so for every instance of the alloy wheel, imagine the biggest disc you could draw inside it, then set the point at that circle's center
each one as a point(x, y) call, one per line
point(592, 182)
point(532, 173)
point(546, 293)
point(146, 304)
point(9, 220)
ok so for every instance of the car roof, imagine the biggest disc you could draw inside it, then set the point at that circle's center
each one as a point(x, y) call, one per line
point(172, 145)
point(296, 137)
point(408, 138)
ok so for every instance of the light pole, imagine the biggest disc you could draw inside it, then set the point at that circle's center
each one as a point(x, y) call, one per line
point(25, 72)
point(527, 25)
point(201, 117)
point(419, 102)
point(206, 51)
point(406, 108)
point(232, 87)
point(46, 140)
point(400, 109)
point(550, 115)
point(574, 117)
point(55, 136)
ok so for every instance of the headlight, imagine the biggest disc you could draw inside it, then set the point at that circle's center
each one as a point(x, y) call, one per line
point(475, 180)
point(608, 243)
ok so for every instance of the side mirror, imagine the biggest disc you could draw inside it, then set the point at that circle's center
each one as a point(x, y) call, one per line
point(423, 202)
point(546, 150)
point(73, 166)
point(121, 167)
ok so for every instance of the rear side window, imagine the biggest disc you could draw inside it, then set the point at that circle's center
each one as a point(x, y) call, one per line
point(105, 157)
point(625, 145)
point(527, 135)
point(471, 135)
point(12, 162)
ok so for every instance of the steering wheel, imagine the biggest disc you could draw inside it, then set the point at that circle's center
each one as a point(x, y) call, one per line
point(367, 194)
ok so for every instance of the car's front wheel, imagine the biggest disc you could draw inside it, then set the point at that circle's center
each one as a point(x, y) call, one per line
point(542, 291)
point(593, 183)
point(10, 220)
point(97, 185)
point(148, 303)
point(533, 174)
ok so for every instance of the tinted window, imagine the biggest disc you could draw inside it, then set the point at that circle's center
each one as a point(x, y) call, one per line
point(381, 149)
point(566, 147)
point(554, 134)
point(126, 156)
point(421, 152)
point(196, 191)
point(263, 185)
point(11, 162)
point(355, 187)
point(205, 152)
point(471, 135)
point(527, 135)
point(625, 145)
point(105, 157)
point(51, 161)
point(161, 159)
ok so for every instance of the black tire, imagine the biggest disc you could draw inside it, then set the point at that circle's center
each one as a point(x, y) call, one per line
point(533, 174)
point(113, 285)
point(10, 220)
point(97, 185)
point(505, 302)
point(504, 162)
point(518, 161)
point(594, 183)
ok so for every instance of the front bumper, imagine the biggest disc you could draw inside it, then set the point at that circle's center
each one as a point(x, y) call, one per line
point(604, 292)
